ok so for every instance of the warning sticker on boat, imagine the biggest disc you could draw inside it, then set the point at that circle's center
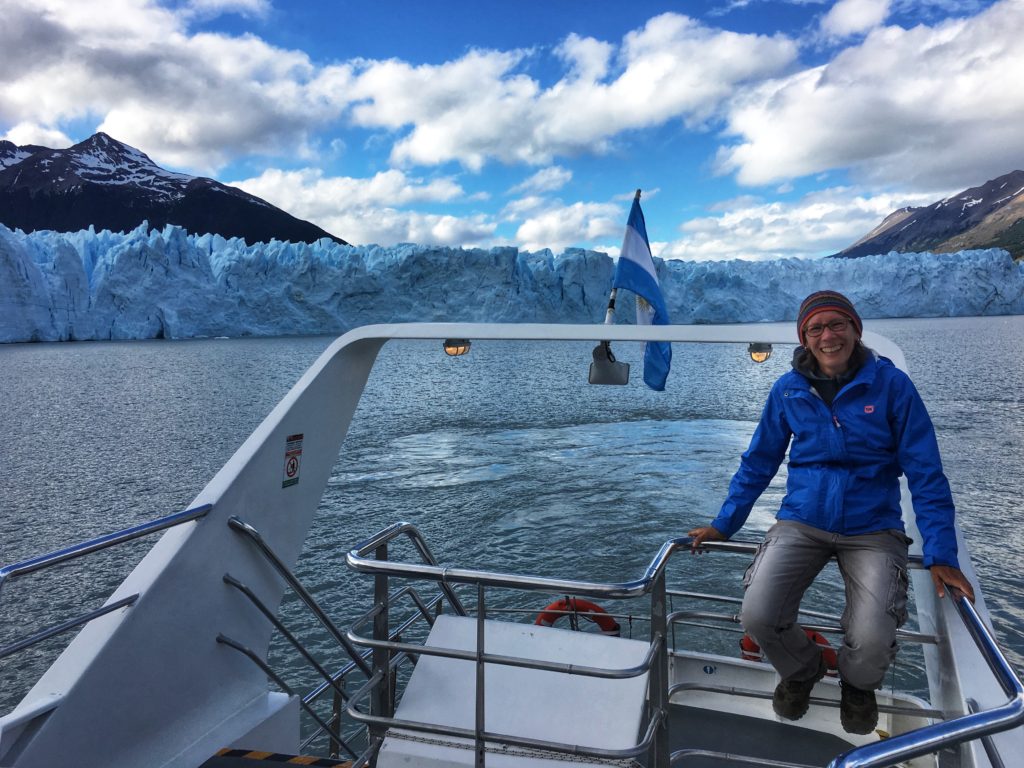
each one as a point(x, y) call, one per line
point(292, 455)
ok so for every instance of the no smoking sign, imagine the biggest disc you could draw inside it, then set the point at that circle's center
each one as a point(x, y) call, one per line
point(292, 456)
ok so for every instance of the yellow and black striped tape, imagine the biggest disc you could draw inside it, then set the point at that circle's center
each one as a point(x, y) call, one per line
point(273, 757)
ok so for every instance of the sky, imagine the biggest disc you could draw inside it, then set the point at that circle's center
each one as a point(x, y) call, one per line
point(756, 129)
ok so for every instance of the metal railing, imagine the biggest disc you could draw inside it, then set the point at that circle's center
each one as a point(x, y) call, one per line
point(831, 628)
point(358, 561)
point(654, 742)
point(42, 562)
point(337, 680)
point(240, 526)
point(333, 682)
point(958, 730)
point(358, 660)
point(951, 732)
point(706, 754)
point(387, 651)
point(11, 572)
point(921, 741)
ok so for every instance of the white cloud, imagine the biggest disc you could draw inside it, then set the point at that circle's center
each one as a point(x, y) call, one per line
point(545, 180)
point(29, 133)
point(363, 210)
point(588, 59)
point(819, 224)
point(480, 107)
point(307, 193)
point(454, 107)
point(525, 207)
point(927, 107)
point(188, 100)
point(564, 226)
point(210, 8)
point(854, 17)
point(387, 226)
point(198, 100)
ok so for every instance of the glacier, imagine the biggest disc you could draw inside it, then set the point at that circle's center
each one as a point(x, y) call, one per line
point(147, 284)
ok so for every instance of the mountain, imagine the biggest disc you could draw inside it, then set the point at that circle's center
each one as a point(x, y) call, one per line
point(106, 184)
point(989, 216)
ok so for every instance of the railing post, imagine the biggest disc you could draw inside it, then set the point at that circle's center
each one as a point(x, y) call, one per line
point(659, 673)
point(337, 706)
point(481, 615)
point(381, 703)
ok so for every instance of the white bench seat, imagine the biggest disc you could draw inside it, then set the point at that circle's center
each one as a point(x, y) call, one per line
point(551, 706)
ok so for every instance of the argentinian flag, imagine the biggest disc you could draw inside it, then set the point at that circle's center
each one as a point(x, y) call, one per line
point(635, 272)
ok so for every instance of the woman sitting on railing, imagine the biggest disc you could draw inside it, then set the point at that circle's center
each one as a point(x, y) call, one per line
point(853, 423)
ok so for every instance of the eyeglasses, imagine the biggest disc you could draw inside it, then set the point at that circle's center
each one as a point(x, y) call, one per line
point(836, 326)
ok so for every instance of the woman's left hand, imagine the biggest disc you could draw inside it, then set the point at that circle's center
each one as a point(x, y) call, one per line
point(947, 575)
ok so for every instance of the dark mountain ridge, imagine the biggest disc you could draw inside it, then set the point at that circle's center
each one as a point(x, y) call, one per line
point(987, 216)
point(104, 183)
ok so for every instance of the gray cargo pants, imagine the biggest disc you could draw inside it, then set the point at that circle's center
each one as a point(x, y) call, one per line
point(874, 569)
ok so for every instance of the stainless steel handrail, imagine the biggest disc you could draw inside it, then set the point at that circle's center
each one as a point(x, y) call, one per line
point(986, 741)
point(64, 626)
point(358, 660)
point(905, 746)
point(685, 754)
point(269, 672)
point(499, 738)
point(514, 661)
point(242, 527)
point(344, 671)
point(338, 677)
point(285, 632)
point(652, 583)
point(357, 560)
point(106, 541)
point(13, 571)
point(829, 629)
point(957, 730)
point(923, 713)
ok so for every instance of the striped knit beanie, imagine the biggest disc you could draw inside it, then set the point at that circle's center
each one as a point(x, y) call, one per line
point(824, 301)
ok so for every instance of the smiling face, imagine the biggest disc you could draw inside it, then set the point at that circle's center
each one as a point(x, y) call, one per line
point(832, 349)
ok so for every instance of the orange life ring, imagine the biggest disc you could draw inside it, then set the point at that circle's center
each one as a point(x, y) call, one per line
point(751, 651)
point(585, 608)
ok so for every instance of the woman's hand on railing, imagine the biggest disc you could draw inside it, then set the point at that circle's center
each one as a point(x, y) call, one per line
point(705, 533)
point(948, 576)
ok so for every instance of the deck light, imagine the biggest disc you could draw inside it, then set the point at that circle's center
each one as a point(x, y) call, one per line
point(456, 347)
point(759, 351)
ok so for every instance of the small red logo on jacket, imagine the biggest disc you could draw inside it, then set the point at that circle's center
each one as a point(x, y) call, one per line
point(869, 409)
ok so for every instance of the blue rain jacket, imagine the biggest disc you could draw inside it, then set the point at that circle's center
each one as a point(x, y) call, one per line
point(845, 460)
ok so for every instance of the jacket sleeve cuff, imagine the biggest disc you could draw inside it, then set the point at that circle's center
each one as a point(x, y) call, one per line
point(930, 560)
point(723, 528)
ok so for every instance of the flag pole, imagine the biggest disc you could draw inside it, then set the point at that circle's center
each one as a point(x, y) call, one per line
point(610, 312)
point(606, 369)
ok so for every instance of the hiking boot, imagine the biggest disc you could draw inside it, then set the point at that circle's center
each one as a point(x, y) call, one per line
point(792, 697)
point(858, 710)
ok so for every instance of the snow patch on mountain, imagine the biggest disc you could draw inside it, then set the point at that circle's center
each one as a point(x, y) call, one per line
point(10, 154)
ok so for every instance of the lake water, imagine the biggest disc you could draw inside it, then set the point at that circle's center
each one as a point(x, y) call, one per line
point(506, 459)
